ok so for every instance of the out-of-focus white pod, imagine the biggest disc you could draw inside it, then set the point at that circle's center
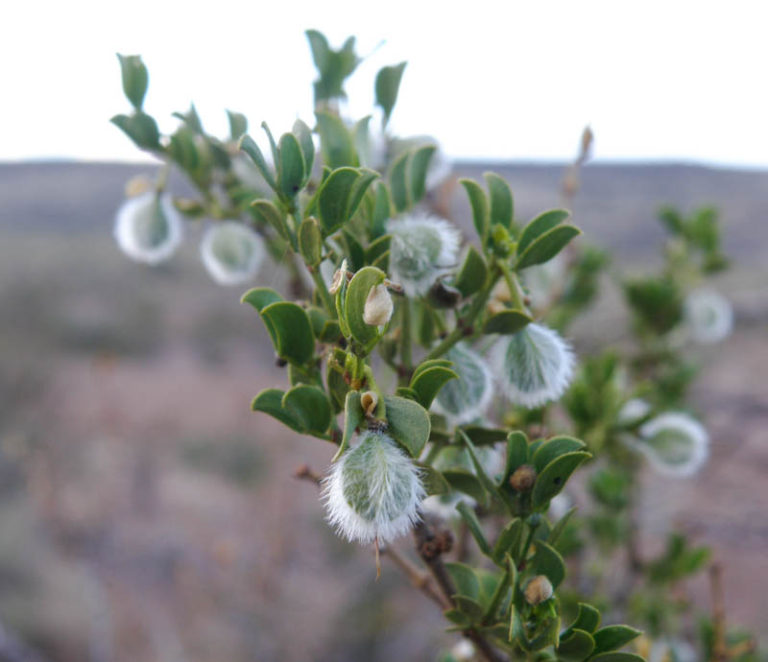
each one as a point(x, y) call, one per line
point(464, 651)
point(708, 316)
point(232, 253)
point(373, 491)
point(148, 228)
point(423, 247)
point(674, 443)
point(633, 411)
point(378, 306)
point(534, 365)
point(466, 398)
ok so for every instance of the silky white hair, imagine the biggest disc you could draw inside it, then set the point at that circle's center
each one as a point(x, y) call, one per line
point(148, 228)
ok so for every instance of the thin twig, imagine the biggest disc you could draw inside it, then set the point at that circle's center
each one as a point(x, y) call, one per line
point(421, 580)
point(305, 473)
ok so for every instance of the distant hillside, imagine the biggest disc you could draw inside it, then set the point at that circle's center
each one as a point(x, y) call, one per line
point(619, 201)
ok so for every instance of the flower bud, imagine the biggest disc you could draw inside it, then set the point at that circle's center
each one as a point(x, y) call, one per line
point(137, 185)
point(368, 401)
point(466, 398)
point(538, 590)
point(373, 491)
point(232, 253)
point(338, 278)
point(378, 306)
point(708, 315)
point(148, 228)
point(535, 365)
point(523, 478)
point(674, 443)
point(422, 249)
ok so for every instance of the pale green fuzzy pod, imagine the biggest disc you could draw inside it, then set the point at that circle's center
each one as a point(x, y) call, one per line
point(535, 366)
point(708, 316)
point(422, 249)
point(674, 443)
point(148, 228)
point(373, 491)
point(232, 253)
point(464, 399)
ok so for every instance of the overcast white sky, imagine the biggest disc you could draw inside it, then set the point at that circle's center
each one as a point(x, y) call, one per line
point(498, 80)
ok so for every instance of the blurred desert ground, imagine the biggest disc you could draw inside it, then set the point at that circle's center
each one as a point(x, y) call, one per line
point(146, 514)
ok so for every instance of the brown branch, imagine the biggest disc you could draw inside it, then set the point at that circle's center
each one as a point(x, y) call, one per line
point(719, 648)
point(305, 473)
point(431, 544)
point(420, 580)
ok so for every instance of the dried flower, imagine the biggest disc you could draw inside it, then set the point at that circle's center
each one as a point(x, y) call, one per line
point(538, 590)
point(535, 365)
point(378, 306)
point(373, 491)
point(148, 228)
point(232, 253)
point(423, 247)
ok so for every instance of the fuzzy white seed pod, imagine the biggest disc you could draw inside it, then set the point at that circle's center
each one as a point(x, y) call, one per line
point(708, 316)
point(422, 249)
point(373, 491)
point(466, 398)
point(464, 651)
point(232, 253)
point(148, 228)
point(534, 365)
point(538, 590)
point(378, 306)
point(674, 443)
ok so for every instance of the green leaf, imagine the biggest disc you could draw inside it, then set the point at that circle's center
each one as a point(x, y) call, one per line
point(428, 383)
point(290, 166)
point(484, 478)
point(267, 213)
point(468, 515)
point(588, 618)
point(433, 481)
point(502, 203)
point(465, 579)
point(614, 636)
point(507, 322)
point(270, 401)
point(249, 146)
point(398, 183)
point(431, 363)
point(548, 562)
point(554, 448)
point(469, 606)
point(508, 540)
point(557, 529)
point(292, 330)
point(408, 423)
point(140, 128)
point(333, 198)
point(364, 180)
point(353, 419)
point(546, 246)
point(482, 436)
point(517, 452)
point(135, 79)
point(577, 647)
point(467, 483)
point(553, 478)
point(479, 204)
point(309, 405)
point(311, 242)
point(387, 86)
point(377, 248)
point(418, 171)
point(260, 297)
point(304, 135)
point(238, 124)
point(382, 211)
point(538, 226)
point(472, 274)
point(336, 141)
point(357, 293)
point(617, 657)
point(321, 51)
